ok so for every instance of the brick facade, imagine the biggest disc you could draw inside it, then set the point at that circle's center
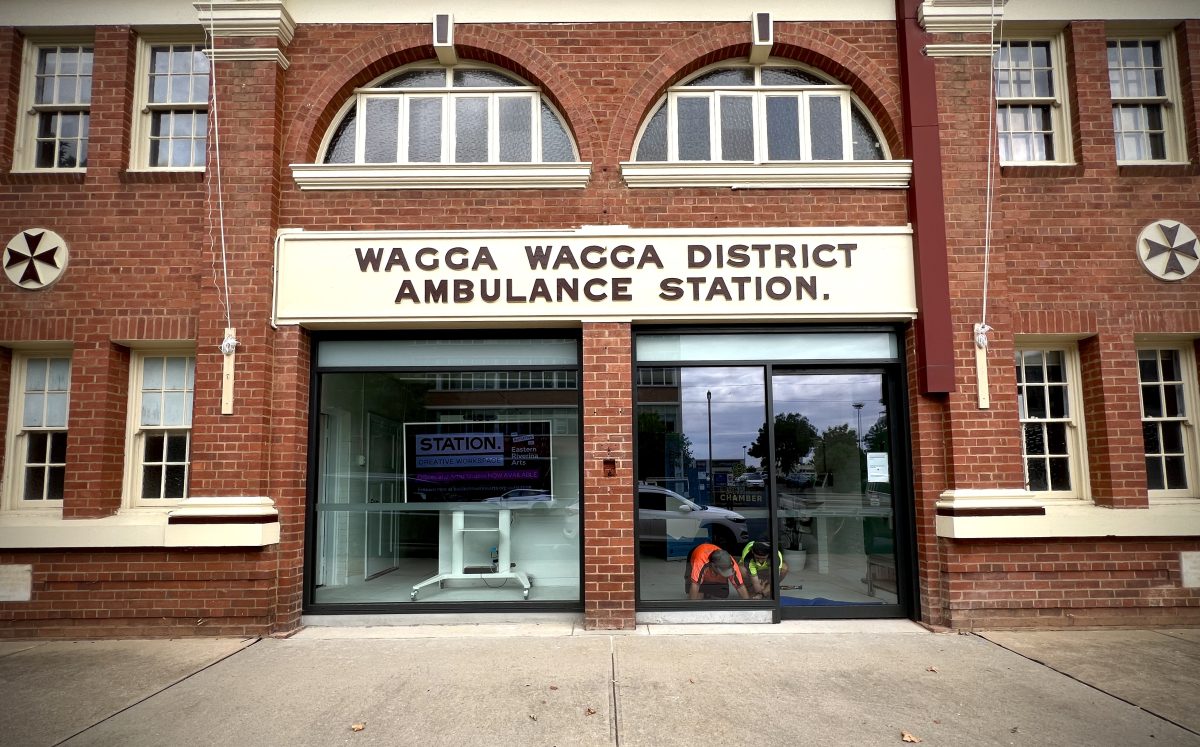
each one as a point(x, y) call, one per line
point(146, 268)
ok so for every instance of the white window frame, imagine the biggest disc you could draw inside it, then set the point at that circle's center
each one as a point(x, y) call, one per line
point(29, 111)
point(1169, 103)
point(1076, 442)
point(136, 433)
point(760, 171)
point(18, 434)
point(1060, 115)
point(404, 173)
point(1189, 421)
point(143, 110)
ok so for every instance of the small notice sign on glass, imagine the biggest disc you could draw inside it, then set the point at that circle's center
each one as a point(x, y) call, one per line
point(877, 466)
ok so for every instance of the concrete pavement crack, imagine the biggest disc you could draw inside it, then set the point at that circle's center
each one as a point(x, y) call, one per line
point(616, 722)
point(161, 690)
point(1087, 684)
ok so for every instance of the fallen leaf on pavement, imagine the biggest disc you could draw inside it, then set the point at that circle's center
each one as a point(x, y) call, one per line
point(591, 711)
point(357, 727)
point(931, 669)
point(554, 687)
point(906, 737)
point(532, 717)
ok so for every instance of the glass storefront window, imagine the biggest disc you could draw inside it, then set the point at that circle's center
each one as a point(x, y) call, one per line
point(453, 485)
point(783, 458)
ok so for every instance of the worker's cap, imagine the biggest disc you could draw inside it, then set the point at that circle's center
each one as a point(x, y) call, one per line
point(760, 549)
point(722, 562)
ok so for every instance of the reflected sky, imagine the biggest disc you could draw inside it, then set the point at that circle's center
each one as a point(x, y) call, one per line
point(739, 409)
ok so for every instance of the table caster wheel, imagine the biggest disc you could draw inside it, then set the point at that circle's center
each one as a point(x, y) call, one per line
point(412, 597)
point(525, 593)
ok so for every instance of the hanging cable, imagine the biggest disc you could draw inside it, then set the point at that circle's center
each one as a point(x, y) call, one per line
point(981, 327)
point(228, 344)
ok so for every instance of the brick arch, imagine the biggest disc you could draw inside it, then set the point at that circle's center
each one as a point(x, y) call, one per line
point(874, 86)
point(396, 48)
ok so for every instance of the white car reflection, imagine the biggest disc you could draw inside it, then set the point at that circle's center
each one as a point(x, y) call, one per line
point(666, 515)
point(524, 498)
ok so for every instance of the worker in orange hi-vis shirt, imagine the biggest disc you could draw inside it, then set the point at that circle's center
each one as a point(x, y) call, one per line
point(710, 572)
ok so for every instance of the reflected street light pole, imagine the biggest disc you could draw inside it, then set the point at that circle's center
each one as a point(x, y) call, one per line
point(710, 461)
point(858, 406)
point(744, 447)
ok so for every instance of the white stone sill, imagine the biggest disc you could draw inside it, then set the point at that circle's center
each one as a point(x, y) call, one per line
point(807, 175)
point(368, 176)
point(139, 527)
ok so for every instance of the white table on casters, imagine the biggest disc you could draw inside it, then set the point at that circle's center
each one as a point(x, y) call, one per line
point(457, 564)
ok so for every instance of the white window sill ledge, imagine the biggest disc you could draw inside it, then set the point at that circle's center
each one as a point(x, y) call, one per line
point(824, 174)
point(331, 176)
point(196, 522)
point(1018, 514)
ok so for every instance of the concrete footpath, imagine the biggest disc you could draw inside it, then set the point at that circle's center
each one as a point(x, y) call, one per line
point(551, 683)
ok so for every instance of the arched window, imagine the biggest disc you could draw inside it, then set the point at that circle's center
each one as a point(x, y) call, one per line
point(732, 120)
point(431, 125)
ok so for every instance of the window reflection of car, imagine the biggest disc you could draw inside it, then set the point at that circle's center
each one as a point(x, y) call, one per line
point(666, 515)
point(752, 479)
point(524, 498)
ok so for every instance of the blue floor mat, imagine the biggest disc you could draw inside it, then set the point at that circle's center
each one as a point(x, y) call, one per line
point(820, 602)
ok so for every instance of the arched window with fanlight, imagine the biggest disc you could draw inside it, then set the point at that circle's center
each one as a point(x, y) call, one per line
point(774, 124)
point(431, 125)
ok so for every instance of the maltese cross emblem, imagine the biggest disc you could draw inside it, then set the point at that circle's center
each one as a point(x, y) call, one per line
point(1167, 250)
point(35, 258)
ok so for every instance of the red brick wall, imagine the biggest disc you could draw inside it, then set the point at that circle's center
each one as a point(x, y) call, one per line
point(1062, 263)
point(608, 549)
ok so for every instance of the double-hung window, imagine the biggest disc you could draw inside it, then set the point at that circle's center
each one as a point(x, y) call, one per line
point(449, 115)
point(38, 437)
point(1030, 102)
point(162, 385)
point(56, 101)
point(1047, 400)
point(1143, 89)
point(171, 120)
point(1168, 396)
point(758, 114)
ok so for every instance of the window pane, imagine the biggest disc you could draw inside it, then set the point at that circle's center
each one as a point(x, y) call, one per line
point(556, 144)
point(35, 411)
point(1060, 474)
point(1151, 402)
point(176, 480)
point(35, 450)
point(866, 143)
point(417, 79)
point(1148, 365)
point(516, 129)
point(467, 78)
point(693, 129)
point(737, 128)
point(152, 481)
point(825, 125)
point(1058, 401)
point(341, 145)
point(783, 128)
point(152, 450)
point(152, 373)
point(1035, 439)
point(1055, 371)
point(173, 408)
point(35, 483)
point(1170, 364)
point(56, 478)
point(381, 136)
point(1154, 474)
point(470, 129)
point(733, 76)
point(424, 130)
point(177, 447)
point(653, 145)
point(789, 76)
point(1151, 443)
point(151, 413)
point(1056, 438)
point(1035, 401)
point(58, 447)
point(56, 409)
point(1038, 479)
point(1176, 473)
point(1173, 401)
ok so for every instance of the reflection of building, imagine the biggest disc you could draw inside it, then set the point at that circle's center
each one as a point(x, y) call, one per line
point(552, 212)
